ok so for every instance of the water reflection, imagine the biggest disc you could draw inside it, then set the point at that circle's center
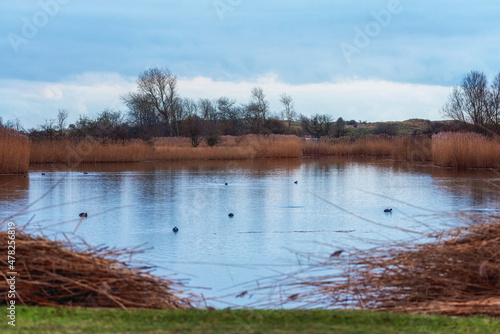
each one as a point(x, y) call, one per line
point(13, 194)
point(335, 204)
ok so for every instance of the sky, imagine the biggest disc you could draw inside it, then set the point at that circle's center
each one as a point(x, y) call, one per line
point(373, 60)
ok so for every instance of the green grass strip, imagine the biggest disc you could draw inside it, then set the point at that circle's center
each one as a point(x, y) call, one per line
point(78, 320)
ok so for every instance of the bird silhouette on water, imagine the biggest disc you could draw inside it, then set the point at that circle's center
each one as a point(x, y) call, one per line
point(231, 215)
point(388, 210)
point(175, 229)
point(83, 214)
point(337, 253)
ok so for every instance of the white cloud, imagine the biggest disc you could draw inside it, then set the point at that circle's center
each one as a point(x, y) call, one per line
point(372, 100)
point(90, 93)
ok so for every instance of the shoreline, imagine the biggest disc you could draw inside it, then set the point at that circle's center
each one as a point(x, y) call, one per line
point(449, 150)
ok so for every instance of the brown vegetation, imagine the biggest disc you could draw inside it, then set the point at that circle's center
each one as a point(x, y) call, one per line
point(14, 152)
point(51, 273)
point(465, 150)
point(244, 147)
point(165, 149)
point(72, 152)
point(399, 148)
point(456, 274)
point(462, 150)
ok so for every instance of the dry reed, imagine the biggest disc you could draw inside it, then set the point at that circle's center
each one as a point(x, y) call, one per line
point(465, 150)
point(14, 152)
point(456, 274)
point(382, 146)
point(51, 273)
point(88, 151)
point(245, 147)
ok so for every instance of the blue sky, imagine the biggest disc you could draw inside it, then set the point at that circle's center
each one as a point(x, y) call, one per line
point(375, 60)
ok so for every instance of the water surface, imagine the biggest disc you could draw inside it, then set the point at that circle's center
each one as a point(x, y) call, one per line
point(278, 225)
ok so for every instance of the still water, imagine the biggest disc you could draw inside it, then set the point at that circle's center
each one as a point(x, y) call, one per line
point(278, 224)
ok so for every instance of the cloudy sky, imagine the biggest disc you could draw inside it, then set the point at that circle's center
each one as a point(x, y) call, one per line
point(375, 60)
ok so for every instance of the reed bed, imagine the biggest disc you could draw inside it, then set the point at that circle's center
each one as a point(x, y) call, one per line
point(457, 272)
point(462, 150)
point(88, 151)
point(202, 153)
point(229, 148)
point(14, 152)
point(465, 150)
point(55, 273)
point(274, 146)
point(411, 148)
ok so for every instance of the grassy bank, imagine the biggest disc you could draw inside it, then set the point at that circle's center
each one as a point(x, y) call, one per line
point(462, 150)
point(70, 320)
point(14, 152)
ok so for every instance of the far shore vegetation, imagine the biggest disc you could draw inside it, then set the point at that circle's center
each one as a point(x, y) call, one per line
point(161, 125)
point(444, 149)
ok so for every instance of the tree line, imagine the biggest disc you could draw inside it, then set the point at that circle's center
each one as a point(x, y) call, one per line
point(156, 109)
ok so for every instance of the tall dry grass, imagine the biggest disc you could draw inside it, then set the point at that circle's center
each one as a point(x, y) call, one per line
point(382, 146)
point(88, 151)
point(14, 152)
point(165, 149)
point(465, 150)
point(229, 148)
point(64, 273)
point(454, 272)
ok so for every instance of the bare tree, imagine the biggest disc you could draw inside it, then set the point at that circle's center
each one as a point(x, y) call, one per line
point(230, 116)
point(62, 116)
point(474, 87)
point(141, 111)
point(158, 87)
point(493, 115)
point(470, 102)
point(289, 113)
point(257, 109)
point(318, 125)
point(14, 124)
point(226, 108)
point(49, 128)
point(208, 110)
point(259, 99)
point(190, 107)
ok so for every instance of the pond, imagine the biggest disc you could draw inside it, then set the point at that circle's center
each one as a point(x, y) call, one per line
point(285, 211)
